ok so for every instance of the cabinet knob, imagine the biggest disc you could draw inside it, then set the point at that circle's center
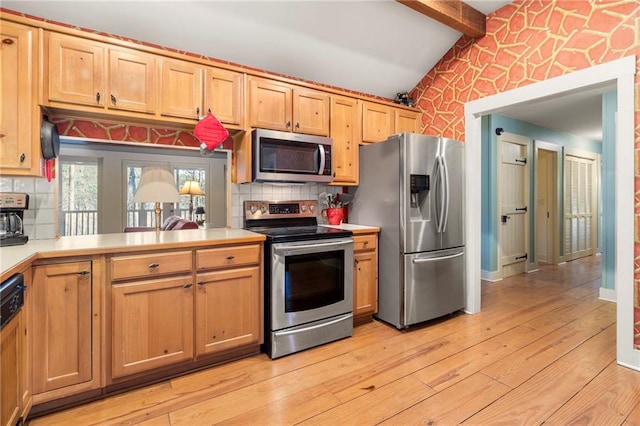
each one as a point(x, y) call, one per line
point(288, 124)
point(113, 99)
point(297, 125)
point(7, 41)
point(187, 285)
point(230, 257)
point(22, 157)
point(198, 111)
point(154, 265)
point(97, 97)
point(83, 273)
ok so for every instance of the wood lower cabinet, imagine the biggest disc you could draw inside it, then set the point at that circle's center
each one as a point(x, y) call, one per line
point(65, 333)
point(11, 368)
point(19, 110)
point(227, 309)
point(365, 276)
point(152, 324)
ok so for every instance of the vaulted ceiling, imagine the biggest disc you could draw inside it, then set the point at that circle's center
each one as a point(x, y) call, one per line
point(378, 47)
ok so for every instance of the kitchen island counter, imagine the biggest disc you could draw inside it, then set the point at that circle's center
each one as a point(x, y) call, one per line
point(356, 229)
point(15, 258)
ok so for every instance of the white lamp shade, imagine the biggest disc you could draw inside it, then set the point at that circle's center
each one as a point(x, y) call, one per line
point(156, 186)
point(191, 187)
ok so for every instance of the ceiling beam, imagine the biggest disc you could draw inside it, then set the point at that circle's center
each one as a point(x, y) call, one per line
point(453, 13)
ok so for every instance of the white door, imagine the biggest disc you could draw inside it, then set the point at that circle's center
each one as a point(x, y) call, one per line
point(513, 200)
point(579, 206)
point(545, 205)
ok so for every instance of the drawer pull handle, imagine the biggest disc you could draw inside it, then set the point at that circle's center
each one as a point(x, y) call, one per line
point(82, 273)
point(230, 257)
point(154, 266)
point(187, 285)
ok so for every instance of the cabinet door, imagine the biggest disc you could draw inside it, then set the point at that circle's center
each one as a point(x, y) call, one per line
point(19, 140)
point(228, 309)
point(10, 366)
point(365, 282)
point(61, 337)
point(132, 81)
point(76, 71)
point(311, 112)
point(345, 132)
point(152, 324)
point(270, 104)
point(223, 95)
point(181, 89)
point(406, 121)
point(377, 122)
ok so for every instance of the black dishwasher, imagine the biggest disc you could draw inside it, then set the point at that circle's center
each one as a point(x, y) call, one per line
point(11, 298)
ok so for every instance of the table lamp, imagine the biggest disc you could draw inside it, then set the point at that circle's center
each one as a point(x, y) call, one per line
point(156, 186)
point(191, 188)
point(200, 215)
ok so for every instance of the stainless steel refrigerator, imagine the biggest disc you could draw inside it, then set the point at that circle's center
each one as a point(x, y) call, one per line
point(412, 187)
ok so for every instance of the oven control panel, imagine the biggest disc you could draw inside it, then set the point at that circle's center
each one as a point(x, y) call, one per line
point(280, 209)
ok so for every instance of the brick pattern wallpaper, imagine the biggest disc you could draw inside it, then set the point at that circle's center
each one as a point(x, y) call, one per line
point(526, 42)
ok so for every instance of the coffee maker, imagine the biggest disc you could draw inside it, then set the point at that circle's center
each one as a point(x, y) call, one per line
point(12, 207)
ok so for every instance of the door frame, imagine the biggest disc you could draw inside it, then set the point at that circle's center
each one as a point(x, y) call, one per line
point(556, 150)
point(620, 74)
point(525, 142)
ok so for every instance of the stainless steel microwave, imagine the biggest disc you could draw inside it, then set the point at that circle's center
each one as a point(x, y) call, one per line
point(291, 157)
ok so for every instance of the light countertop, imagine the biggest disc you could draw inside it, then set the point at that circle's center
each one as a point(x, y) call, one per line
point(14, 258)
point(356, 229)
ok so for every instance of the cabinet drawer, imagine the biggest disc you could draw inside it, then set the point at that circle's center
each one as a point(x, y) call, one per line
point(225, 257)
point(365, 242)
point(144, 265)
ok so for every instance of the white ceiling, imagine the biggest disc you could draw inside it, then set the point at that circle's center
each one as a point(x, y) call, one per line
point(378, 47)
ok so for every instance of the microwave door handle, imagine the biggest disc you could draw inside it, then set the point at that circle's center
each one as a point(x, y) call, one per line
point(322, 159)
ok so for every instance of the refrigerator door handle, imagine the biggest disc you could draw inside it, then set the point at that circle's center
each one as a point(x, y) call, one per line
point(441, 187)
point(437, 259)
point(446, 194)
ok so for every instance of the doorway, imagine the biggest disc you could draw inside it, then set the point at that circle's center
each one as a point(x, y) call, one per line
point(617, 74)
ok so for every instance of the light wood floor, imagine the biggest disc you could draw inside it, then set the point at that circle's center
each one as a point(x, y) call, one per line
point(541, 351)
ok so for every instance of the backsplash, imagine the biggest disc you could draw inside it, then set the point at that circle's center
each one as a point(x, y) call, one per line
point(39, 219)
point(271, 192)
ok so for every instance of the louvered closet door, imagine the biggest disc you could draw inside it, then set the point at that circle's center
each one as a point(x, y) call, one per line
point(579, 207)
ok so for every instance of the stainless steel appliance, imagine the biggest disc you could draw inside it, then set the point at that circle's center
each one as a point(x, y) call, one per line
point(412, 187)
point(308, 276)
point(12, 207)
point(291, 157)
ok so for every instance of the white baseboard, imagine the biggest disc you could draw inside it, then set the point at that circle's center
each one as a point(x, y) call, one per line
point(608, 295)
point(492, 276)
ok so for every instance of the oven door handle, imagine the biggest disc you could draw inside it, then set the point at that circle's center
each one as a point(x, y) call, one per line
point(311, 327)
point(282, 247)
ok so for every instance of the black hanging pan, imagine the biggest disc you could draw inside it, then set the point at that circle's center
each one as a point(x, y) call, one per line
point(50, 144)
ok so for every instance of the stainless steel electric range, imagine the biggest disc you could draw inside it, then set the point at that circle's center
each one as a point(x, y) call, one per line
point(308, 276)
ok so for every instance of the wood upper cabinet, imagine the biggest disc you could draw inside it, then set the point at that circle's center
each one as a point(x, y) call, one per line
point(76, 70)
point(310, 112)
point(132, 81)
point(406, 121)
point(345, 133)
point(62, 319)
point(224, 95)
point(270, 104)
point(228, 310)
point(19, 110)
point(280, 106)
point(152, 324)
point(365, 275)
point(377, 122)
point(92, 74)
point(181, 89)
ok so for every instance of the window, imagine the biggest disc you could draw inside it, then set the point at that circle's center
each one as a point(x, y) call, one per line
point(98, 182)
